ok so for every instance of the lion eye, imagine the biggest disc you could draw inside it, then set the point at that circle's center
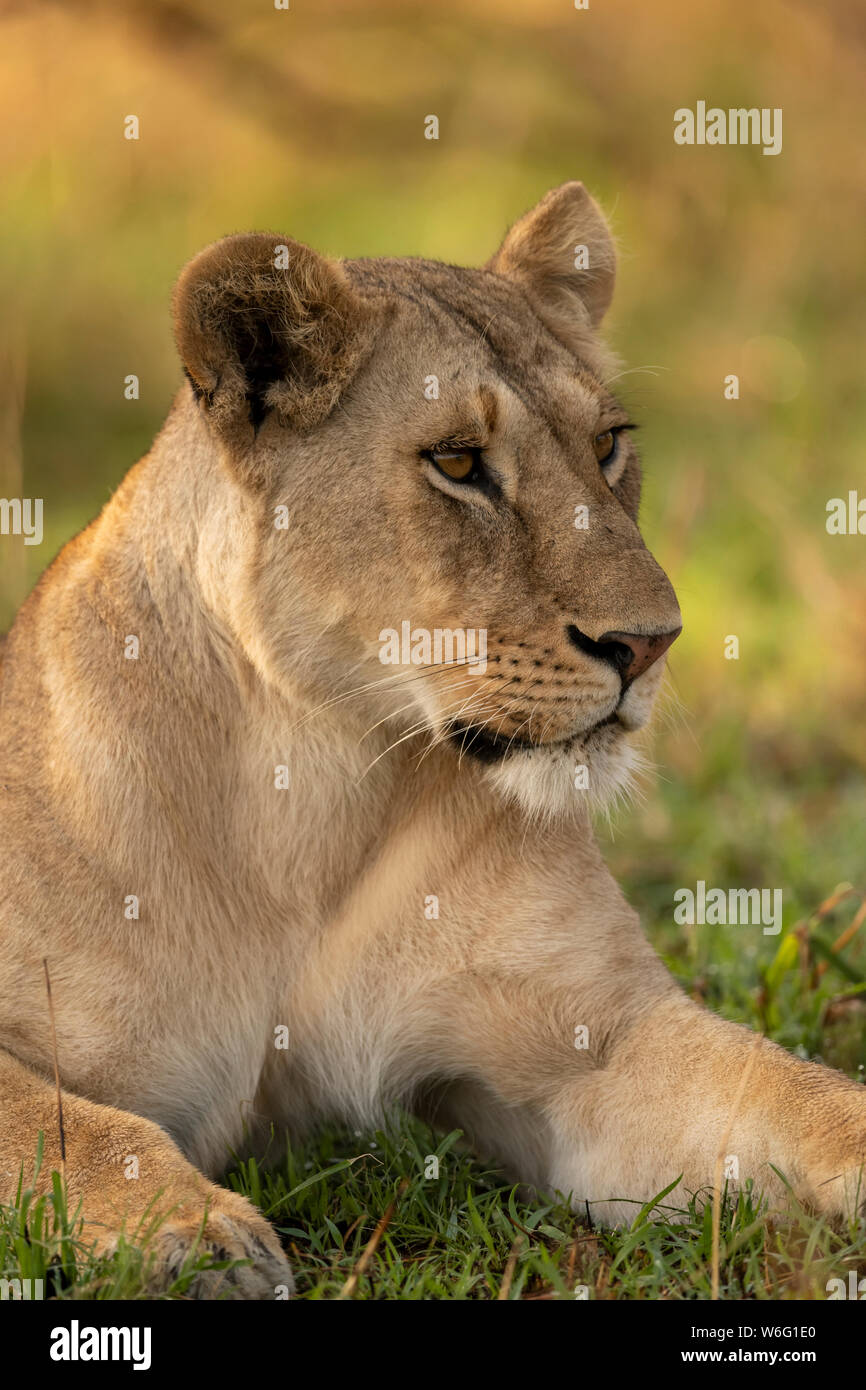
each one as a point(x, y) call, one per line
point(604, 445)
point(457, 464)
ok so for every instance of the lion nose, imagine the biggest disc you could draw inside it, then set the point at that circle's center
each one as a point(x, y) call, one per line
point(629, 653)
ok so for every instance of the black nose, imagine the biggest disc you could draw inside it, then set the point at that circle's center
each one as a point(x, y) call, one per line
point(629, 653)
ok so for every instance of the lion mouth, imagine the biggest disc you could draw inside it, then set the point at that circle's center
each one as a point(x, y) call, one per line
point(487, 747)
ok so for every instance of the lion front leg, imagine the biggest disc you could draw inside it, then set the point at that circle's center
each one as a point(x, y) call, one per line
point(129, 1176)
point(684, 1092)
point(612, 1112)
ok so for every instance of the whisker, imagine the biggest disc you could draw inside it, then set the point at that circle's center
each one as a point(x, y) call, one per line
point(412, 733)
point(412, 703)
point(442, 733)
point(480, 728)
point(401, 675)
point(652, 369)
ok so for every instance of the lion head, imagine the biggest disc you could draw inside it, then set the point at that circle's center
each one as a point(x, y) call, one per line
point(458, 488)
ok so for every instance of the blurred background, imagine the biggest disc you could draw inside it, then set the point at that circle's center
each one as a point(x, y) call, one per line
point(310, 121)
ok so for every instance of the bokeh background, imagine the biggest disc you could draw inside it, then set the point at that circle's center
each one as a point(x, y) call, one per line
point(310, 121)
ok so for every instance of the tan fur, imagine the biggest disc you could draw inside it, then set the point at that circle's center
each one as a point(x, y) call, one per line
point(305, 907)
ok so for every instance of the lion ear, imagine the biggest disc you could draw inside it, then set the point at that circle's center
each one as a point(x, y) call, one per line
point(563, 255)
point(263, 323)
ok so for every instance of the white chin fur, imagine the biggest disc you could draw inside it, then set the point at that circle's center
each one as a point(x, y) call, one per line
point(547, 783)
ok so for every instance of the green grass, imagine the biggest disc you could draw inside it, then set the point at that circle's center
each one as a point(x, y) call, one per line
point(460, 1230)
point(465, 1234)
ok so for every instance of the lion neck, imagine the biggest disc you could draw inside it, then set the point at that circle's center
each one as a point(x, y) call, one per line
point(278, 787)
point(284, 793)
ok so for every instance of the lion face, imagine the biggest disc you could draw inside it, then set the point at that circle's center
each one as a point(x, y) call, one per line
point(461, 490)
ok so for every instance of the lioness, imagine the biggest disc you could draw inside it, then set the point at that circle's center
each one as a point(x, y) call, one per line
point(227, 824)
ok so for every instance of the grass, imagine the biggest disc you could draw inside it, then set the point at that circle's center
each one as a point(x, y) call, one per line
point(464, 1234)
point(458, 1230)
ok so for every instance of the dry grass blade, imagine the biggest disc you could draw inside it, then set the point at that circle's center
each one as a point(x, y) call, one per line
point(511, 1265)
point(851, 930)
point(720, 1158)
point(372, 1245)
point(56, 1073)
point(830, 904)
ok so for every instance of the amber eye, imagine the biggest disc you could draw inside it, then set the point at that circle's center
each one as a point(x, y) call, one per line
point(604, 445)
point(457, 464)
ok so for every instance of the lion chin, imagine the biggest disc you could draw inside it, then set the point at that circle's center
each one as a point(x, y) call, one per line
point(568, 781)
